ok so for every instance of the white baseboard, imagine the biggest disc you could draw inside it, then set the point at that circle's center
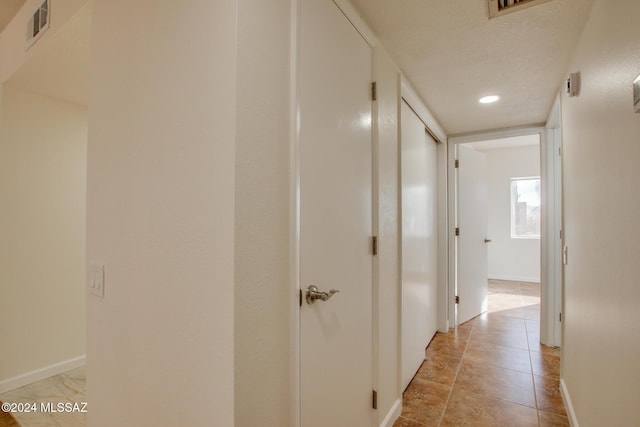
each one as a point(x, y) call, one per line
point(42, 373)
point(564, 392)
point(515, 278)
point(393, 414)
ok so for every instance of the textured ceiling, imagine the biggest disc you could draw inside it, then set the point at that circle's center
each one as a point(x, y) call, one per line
point(60, 67)
point(453, 54)
point(8, 9)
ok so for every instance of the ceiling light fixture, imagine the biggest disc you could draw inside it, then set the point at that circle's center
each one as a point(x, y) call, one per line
point(489, 99)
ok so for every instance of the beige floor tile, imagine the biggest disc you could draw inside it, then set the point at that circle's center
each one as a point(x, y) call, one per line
point(505, 338)
point(424, 401)
point(545, 364)
point(496, 355)
point(439, 369)
point(444, 345)
point(530, 289)
point(499, 383)
point(403, 422)
point(548, 419)
point(37, 419)
point(78, 376)
point(490, 322)
point(470, 409)
point(548, 395)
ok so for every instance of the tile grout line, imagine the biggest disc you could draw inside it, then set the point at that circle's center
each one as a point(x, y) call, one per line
point(533, 380)
point(455, 377)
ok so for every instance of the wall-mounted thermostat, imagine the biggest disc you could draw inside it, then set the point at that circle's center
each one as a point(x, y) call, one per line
point(636, 94)
point(572, 86)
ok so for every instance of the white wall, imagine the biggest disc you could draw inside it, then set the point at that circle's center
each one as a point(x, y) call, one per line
point(601, 138)
point(42, 231)
point(160, 213)
point(510, 259)
point(262, 290)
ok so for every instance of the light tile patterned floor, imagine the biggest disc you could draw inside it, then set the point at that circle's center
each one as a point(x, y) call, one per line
point(491, 371)
point(69, 387)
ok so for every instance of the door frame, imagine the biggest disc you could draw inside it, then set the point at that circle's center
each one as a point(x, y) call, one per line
point(550, 306)
point(551, 167)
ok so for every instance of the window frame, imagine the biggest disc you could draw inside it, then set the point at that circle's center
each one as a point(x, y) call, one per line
point(512, 219)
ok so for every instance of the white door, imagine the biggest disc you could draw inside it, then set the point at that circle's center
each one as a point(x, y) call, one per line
point(419, 241)
point(336, 372)
point(472, 244)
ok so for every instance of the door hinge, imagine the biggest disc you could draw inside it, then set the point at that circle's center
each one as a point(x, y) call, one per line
point(374, 245)
point(375, 399)
point(457, 299)
point(560, 234)
point(300, 291)
point(560, 317)
point(560, 151)
point(374, 91)
point(456, 164)
point(457, 231)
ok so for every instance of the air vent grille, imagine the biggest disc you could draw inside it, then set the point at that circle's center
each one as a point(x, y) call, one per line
point(502, 7)
point(38, 23)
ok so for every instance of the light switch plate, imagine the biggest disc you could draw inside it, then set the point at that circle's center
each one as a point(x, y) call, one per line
point(96, 280)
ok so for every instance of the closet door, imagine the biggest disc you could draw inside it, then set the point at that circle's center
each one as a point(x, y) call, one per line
point(419, 241)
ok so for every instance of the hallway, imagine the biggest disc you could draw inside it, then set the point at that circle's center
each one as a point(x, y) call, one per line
point(491, 371)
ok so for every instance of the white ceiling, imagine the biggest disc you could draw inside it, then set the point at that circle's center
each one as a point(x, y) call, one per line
point(60, 66)
point(453, 54)
point(448, 49)
point(8, 9)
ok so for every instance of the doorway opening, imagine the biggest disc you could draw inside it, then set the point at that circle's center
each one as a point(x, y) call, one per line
point(510, 240)
point(43, 146)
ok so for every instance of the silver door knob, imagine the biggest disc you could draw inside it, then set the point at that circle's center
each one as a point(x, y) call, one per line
point(314, 294)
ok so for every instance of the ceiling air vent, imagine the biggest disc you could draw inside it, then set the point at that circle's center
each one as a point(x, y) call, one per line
point(38, 23)
point(502, 7)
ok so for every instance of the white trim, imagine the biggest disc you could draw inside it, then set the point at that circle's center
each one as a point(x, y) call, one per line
point(452, 152)
point(443, 240)
point(514, 278)
point(42, 373)
point(393, 414)
point(412, 98)
point(551, 224)
point(564, 392)
point(294, 219)
point(553, 121)
point(375, 231)
point(357, 21)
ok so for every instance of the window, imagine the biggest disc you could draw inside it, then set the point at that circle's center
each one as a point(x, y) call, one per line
point(525, 208)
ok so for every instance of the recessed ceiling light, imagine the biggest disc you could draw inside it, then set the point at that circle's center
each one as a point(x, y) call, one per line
point(489, 99)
